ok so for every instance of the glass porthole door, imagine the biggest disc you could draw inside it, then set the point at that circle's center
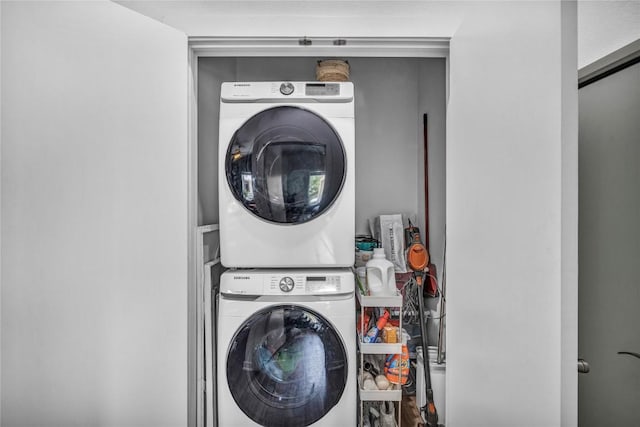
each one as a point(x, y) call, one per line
point(286, 165)
point(286, 367)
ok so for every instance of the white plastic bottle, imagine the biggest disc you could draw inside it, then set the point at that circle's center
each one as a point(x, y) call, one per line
point(381, 277)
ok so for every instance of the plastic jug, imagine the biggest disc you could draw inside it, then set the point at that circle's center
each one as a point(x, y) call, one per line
point(396, 368)
point(381, 277)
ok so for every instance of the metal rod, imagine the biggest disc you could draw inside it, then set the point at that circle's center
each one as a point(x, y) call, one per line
point(443, 303)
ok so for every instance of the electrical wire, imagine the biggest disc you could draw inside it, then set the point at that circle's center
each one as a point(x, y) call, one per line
point(410, 303)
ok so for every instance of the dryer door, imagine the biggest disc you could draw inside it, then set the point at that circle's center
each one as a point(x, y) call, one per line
point(286, 165)
point(286, 366)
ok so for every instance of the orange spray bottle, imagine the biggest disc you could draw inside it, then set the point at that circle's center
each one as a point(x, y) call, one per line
point(374, 332)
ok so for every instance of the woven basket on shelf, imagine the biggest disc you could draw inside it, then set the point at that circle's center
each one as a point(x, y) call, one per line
point(332, 70)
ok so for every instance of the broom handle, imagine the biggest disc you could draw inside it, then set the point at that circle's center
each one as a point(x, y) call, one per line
point(426, 182)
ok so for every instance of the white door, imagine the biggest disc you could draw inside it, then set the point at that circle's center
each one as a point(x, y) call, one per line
point(609, 248)
point(94, 217)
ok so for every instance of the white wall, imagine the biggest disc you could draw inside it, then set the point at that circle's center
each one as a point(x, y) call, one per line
point(94, 217)
point(569, 206)
point(312, 18)
point(505, 205)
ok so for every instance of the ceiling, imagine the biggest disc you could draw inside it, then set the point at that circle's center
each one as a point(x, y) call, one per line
point(604, 26)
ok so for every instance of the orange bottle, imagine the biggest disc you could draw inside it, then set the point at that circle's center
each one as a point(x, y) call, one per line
point(396, 368)
point(374, 332)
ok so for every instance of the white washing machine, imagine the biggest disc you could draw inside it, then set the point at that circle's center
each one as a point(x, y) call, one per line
point(287, 181)
point(286, 348)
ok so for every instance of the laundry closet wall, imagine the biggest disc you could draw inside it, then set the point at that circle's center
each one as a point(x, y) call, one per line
point(391, 96)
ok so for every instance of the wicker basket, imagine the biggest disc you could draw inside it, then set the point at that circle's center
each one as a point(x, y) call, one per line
point(332, 70)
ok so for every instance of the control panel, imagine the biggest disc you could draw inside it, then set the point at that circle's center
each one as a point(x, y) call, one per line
point(286, 282)
point(286, 91)
point(300, 284)
point(307, 89)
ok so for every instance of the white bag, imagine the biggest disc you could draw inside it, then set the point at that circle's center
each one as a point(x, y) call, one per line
point(389, 231)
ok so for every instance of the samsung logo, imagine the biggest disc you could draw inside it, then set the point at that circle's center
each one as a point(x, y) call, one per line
point(241, 84)
point(241, 277)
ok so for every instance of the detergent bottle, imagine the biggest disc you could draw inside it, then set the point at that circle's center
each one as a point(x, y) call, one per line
point(396, 368)
point(374, 332)
point(381, 277)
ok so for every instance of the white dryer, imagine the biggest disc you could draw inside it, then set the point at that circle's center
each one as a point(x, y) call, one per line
point(286, 174)
point(286, 348)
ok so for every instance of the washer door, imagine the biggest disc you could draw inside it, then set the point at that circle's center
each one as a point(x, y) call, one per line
point(286, 367)
point(286, 165)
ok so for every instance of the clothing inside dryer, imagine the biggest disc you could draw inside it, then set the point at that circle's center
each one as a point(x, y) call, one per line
point(292, 177)
point(286, 367)
point(286, 165)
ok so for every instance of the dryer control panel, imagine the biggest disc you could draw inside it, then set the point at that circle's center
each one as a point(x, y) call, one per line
point(287, 282)
point(286, 91)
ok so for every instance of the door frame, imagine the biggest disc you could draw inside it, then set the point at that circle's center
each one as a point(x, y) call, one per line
point(616, 61)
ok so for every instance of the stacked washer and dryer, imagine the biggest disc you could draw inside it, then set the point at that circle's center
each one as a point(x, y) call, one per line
point(286, 320)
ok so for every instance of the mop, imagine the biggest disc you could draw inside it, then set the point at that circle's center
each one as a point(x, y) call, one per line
point(418, 260)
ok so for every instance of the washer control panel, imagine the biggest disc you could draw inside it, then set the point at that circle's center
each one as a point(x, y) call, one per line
point(295, 282)
point(303, 284)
